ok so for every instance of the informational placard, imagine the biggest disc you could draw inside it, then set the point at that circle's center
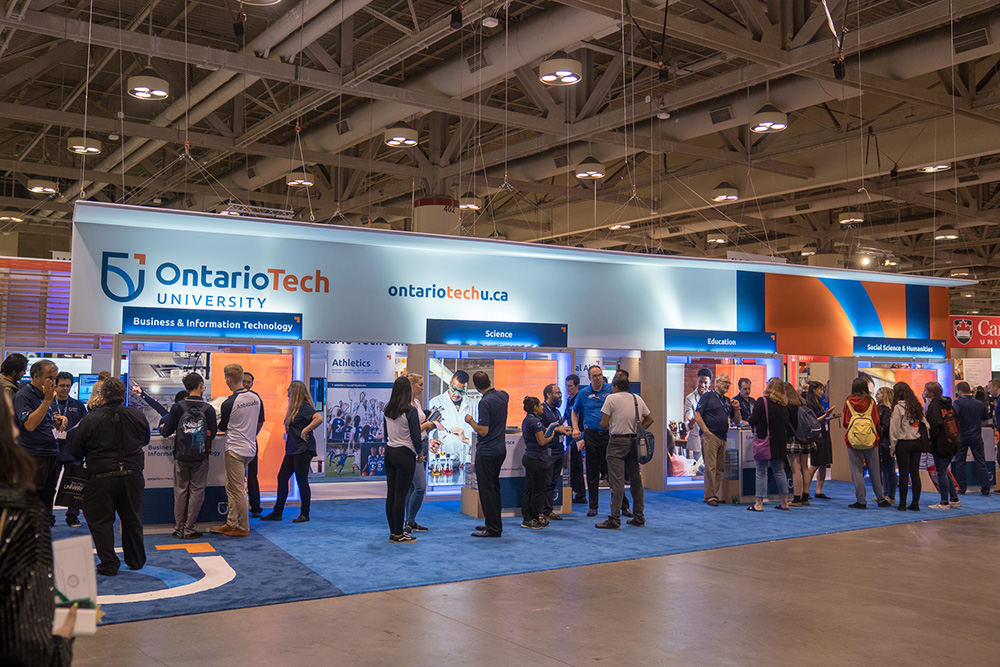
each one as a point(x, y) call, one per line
point(211, 323)
point(910, 348)
point(977, 372)
point(507, 334)
point(734, 342)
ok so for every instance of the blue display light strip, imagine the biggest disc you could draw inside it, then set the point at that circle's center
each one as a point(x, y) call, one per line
point(734, 342)
point(909, 348)
point(506, 334)
point(211, 323)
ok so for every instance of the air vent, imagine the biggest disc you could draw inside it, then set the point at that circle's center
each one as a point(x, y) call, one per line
point(802, 207)
point(561, 161)
point(721, 115)
point(343, 127)
point(478, 61)
point(189, 202)
point(251, 173)
point(974, 39)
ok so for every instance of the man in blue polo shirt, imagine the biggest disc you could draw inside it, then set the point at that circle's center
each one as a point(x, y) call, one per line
point(37, 420)
point(714, 414)
point(971, 414)
point(491, 450)
point(575, 457)
point(587, 419)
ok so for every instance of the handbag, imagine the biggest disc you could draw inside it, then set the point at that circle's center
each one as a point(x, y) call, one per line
point(644, 442)
point(762, 446)
point(74, 479)
point(925, 438)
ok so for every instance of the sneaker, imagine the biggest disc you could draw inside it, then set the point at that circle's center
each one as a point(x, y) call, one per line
point(913, 507)
point(955, 503)
point(417, 528)
point(592, 512)
point(73, 521)
point(194, 535)
point(232, 531)
point(638, 523)
point(884, 503)
point(627, 512)
point(177, 535)
point(553, 517)
point(218, 529)
point(608, 524)
point(858, 506)
point(533, 524)
point(402, 539)
point(940, 506)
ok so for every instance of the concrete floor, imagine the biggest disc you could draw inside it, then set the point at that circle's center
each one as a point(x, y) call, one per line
point(913, 594)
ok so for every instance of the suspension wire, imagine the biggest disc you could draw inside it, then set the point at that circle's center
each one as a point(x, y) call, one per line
point(86, 95)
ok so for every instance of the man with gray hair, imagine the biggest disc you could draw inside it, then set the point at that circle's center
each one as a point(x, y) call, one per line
point(714, 414)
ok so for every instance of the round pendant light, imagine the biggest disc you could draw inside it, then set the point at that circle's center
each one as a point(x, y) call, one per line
point(468, 202)
point(808, 250)
point(11, 216)
point(590, 169)
point(768, 120)
point(934, 168)
point(560, 70)
point(300, 178)
point(620, 225)
point(148, 86)
point(717, 237)
point(724, 192)
point(83, 145)
point(400, 134)
point(42, 186)
point(958, 273)
point(851, 217)
point(946, 233)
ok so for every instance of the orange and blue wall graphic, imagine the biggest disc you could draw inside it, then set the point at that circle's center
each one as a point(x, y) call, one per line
point(821, 316)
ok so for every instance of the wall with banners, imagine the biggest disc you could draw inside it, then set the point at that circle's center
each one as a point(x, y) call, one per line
point(372, 285)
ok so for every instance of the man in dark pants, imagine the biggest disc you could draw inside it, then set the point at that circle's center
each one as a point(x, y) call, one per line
point(618, 416)
point(972, 415)
point(253, 486)
point(587, 418)
point(551, 400)
point(575, 457)
point(74, 411)
point(110, 441)
point(491, 450)
point(37, 419)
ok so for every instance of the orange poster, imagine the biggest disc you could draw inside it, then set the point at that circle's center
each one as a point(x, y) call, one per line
point(520, 378)
point(272, 374)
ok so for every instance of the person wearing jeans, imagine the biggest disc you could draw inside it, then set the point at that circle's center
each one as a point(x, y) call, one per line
point(402, 434)
point(904, 433)
point(622, 413)
point(886, 464)
point(418, 488)
point(943, 447)
point(861, 424)
point(770, 420)
point(972, 414)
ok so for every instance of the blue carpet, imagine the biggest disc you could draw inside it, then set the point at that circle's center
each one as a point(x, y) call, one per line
point(345, 548)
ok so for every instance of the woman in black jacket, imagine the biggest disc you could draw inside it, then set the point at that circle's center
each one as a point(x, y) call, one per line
point(887, 464)
point(775, 424)
point(942, 448)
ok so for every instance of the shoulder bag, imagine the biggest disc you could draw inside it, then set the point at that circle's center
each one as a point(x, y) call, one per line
point(644, 442)
point(762, 446)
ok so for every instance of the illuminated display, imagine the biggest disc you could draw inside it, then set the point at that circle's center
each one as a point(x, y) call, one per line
point(899, 347)
point(508, 334)
point(697, 340)
point(212, 323)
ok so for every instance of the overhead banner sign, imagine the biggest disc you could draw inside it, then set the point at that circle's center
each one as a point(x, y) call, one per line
point(703, 340)
point(974, 331)
point(900, 347)
point(211, 323)
point(507, 334)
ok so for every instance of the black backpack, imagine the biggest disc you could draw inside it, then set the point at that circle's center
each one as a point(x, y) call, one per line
point(190, 441)
point(949, 437)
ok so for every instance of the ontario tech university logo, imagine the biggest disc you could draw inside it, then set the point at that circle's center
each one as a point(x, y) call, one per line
point(962, 330)
point(132, 288)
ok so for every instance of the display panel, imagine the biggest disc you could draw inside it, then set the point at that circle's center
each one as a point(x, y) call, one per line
point(887, 373)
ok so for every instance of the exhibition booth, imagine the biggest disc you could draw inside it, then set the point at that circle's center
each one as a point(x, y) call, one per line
point(179, 288)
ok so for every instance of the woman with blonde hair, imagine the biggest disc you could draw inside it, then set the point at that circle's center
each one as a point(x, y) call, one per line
point(887, 465)
point(769, 419)
point(798, 450)
point(301, 419)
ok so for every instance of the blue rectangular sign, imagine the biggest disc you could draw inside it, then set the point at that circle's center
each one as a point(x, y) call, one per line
point(211, 323)
point(507, 334)
point(921, 348)
point(736, 342)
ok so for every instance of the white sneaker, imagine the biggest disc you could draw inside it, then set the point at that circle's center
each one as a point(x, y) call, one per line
point(955, 503)
point(940, 506)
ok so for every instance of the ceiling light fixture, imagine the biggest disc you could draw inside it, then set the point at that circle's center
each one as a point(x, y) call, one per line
point(300, 178)
point(808, 250)
point(946, 233)
point(717, 237)
point(934, 168)
point(456, 18)
point(851, 217)
point(148, 86)
point(11, 216)
point(621, 225)
point(42, 186)
point(490, 21)
point(590, 169)
point(959, 273)
point(560, 70)
point(890, 261)
point(974, 311)
point(468, 202)
point(83, 145)
point(400, 134)
point(768, 120)
point(724, 192)
point(865, 260)
point(967, 295)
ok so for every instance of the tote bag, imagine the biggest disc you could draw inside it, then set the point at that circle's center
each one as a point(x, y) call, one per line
point(762, 446)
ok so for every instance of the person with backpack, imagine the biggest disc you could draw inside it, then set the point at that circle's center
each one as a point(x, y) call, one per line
point(886, 464)
point(904, 433)
point(195, 425)
point(945, 441)
point(769, 420)
point(805, 429)
point(861, 422)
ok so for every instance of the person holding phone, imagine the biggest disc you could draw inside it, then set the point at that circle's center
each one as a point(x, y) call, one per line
point(822, 457)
